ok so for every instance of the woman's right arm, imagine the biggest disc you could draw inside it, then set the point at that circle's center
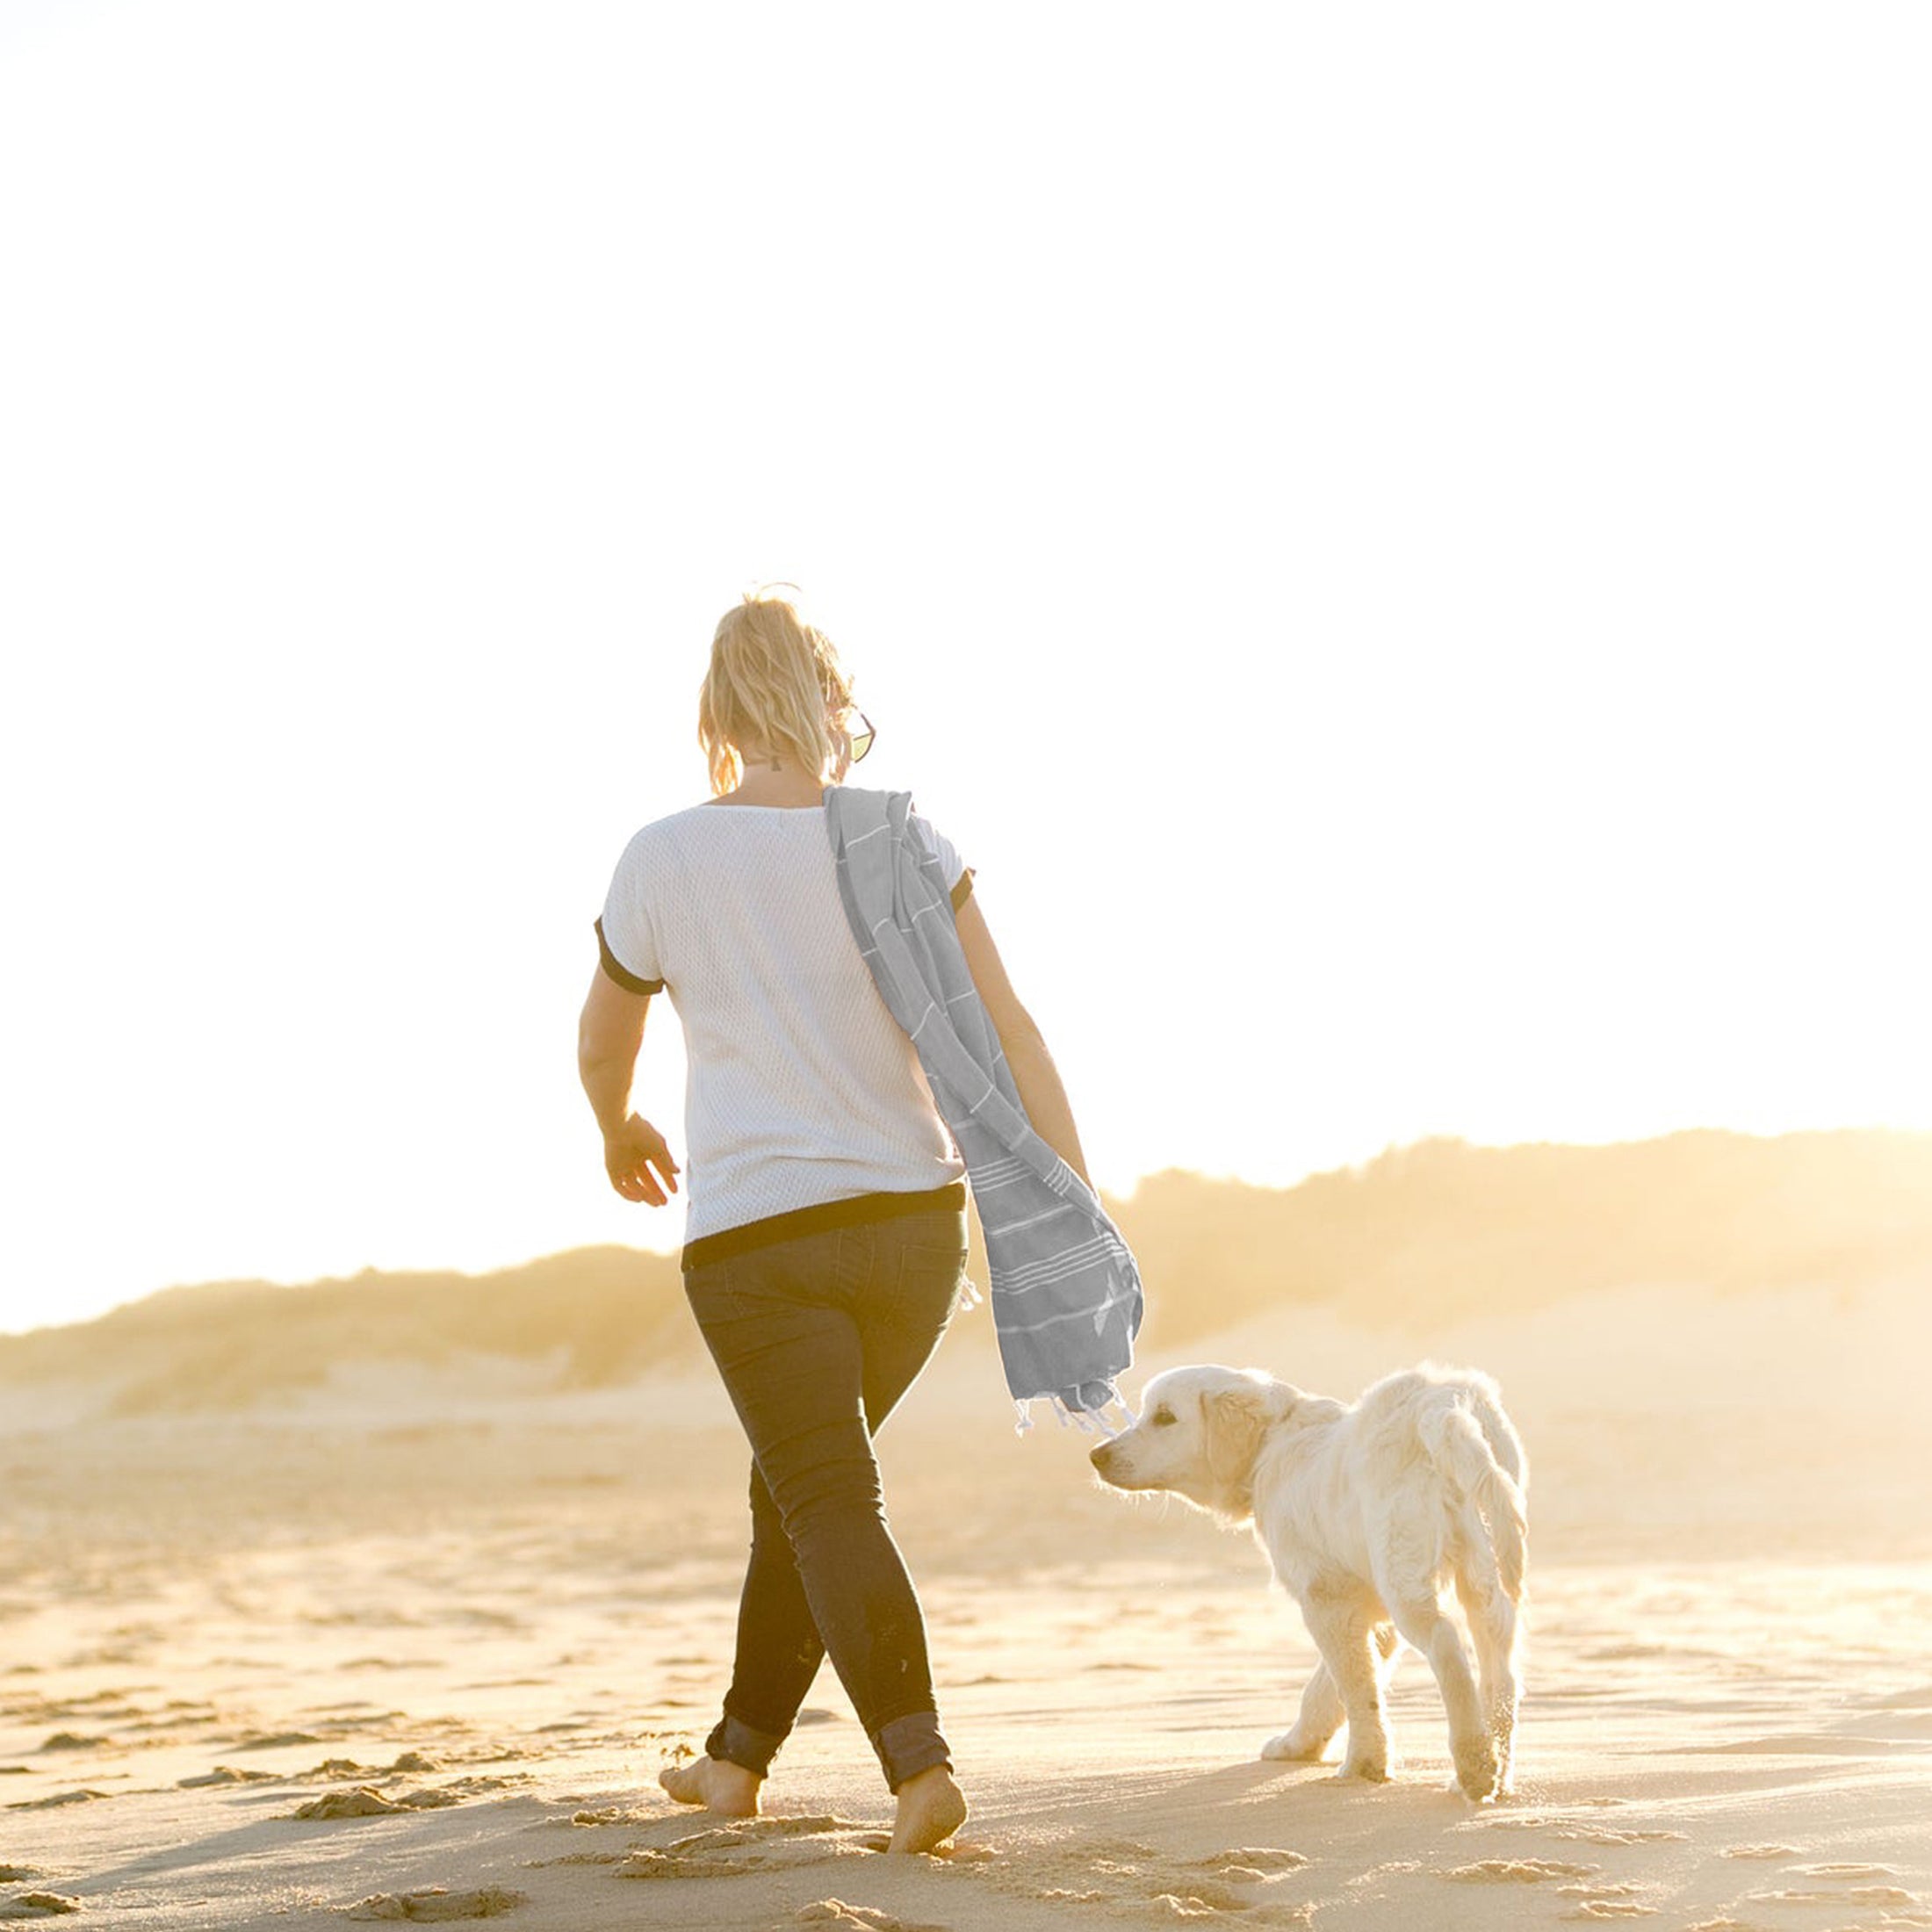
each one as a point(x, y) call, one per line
point(610, 1034)
point(1034, 1072)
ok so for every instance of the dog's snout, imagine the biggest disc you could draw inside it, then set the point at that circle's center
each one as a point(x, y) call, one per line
point(1102, 1457)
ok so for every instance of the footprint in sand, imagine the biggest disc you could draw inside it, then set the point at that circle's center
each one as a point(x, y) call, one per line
point(1136, 1880)
point(433, 1904)
point(1185, 1905)
point(1518, 1871)
point(56, 1799)
point(1845, 1871)
point(1111, 1854)
point(1260, 1859)
point(1825, 1895)
point(1600, 1835)
point(1596, 1900)
point(1204, 1895)
point(40, 1905)
point(753, 1830)
point(1589, 1834)
point(1232, 1889)
point(758, 1844)
point(365, 1801)
point(859, 1918)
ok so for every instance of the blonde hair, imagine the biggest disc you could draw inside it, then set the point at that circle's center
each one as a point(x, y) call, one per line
point(775, 682)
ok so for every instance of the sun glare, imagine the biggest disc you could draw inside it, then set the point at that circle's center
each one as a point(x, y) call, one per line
point(1399, 585)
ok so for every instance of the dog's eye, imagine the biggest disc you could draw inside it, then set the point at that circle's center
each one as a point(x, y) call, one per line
point(1162, 1418)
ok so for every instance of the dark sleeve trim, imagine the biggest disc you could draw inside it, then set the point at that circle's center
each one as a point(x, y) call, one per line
point(622, 974)
point(963, 889)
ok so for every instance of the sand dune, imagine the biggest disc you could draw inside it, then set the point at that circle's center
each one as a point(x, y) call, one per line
point(1422, 1238)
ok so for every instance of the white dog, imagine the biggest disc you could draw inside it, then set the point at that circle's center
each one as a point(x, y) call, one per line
point(1366, 1513)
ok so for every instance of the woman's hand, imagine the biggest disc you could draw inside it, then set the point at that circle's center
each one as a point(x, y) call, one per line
point(638, 1162)
point(609, 1034)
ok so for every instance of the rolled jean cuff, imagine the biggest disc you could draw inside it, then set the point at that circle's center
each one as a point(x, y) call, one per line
point(737, 1743)
point(909, 1745)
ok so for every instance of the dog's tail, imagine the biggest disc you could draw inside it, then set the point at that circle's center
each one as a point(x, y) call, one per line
point(1463, 1437)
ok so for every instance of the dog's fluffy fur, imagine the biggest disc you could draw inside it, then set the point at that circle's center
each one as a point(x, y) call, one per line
point(1367, 1513)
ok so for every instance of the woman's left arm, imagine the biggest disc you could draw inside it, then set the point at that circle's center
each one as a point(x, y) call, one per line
point(610, 1034)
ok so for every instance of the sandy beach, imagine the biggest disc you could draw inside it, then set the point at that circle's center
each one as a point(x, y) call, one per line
point(414, 1645)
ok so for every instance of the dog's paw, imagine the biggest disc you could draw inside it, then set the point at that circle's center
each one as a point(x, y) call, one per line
point(1294, 1748)
point(1477, 1772)
point(1369, 1771)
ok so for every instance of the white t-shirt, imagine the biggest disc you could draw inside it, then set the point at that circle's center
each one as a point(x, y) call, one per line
point(802, 1088)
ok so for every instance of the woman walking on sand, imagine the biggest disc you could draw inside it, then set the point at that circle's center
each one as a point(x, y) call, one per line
point(826, 1237)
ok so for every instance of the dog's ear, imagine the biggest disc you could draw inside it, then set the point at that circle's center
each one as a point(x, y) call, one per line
point(1236, 1420)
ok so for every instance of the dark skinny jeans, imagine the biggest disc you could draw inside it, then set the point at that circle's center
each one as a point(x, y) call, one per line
point(817, 1339)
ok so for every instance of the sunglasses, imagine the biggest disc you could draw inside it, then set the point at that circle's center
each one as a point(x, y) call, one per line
point(860, 740)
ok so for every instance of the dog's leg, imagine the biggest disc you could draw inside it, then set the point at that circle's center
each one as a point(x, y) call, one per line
point(1342, 1621)
point(1386, 1644)
point(1322, 1712)
point(1493, 1627)
point(1321, 1717)
point(1419, 1619)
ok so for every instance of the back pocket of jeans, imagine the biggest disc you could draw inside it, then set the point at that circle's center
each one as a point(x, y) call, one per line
point(933, 1272)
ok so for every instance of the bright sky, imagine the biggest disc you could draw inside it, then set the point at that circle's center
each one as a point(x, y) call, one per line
point(1394, 538)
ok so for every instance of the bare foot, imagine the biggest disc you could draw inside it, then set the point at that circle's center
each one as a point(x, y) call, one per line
point(729, 1790)
point(932, 1807)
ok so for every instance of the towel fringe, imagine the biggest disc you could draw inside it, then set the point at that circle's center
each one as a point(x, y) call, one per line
point(1090, 1421)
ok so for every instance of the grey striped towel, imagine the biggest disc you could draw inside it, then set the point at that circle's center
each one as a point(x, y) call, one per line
point(1066, 1293)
